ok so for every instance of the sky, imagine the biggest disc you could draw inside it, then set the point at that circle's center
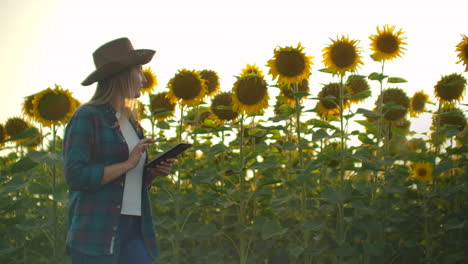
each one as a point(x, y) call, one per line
point(47, 42)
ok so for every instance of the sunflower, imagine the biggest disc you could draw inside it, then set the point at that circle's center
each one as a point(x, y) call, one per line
point(355, 85)
point(387, 45)
point(281, 107)
point(14, 126)
point(188, 87)
point(212, 81)
point(329, 101)
point(202, 121)
point(290, 65)
point(288, 93)
point(151, 80)
point(221, 106)
point(342, 55)
point(28, 107)
point(449, 115)
point(250, 94)
point(462, 49)
point(422, 171)
point(395, 104)
point(418, 103)
point(450, 88)
point(251, 68)
point(161, 107)
point(34, 141)
point(141, 109)
point(53, 106)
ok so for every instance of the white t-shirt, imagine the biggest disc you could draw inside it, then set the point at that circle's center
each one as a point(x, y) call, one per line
point(131, 202)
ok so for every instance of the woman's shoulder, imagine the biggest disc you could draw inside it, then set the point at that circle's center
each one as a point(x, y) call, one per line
point(87, 110)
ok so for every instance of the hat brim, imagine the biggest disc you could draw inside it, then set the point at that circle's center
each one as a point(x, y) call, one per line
point(136, 57)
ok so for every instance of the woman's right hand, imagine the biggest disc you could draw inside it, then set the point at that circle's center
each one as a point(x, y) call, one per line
point(137, 152)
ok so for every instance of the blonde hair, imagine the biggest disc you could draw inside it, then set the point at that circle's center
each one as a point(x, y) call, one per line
point(120, 87)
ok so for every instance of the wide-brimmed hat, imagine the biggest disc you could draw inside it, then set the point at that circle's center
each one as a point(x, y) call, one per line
point(116, 56)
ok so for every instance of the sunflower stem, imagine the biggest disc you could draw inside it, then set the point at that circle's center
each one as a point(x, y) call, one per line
point(54, 201)
point(243, 245)
point(298, 126)
point(340, 215)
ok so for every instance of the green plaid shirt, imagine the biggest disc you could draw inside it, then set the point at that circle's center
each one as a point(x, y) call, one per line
point(92, 141)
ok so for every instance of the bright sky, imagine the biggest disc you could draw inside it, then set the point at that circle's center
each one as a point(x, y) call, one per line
point(44, 42)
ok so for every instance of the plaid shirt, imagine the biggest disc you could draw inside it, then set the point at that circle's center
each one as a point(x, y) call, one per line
point(92, 141)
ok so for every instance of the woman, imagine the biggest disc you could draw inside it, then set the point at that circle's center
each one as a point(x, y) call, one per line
point(104, 156)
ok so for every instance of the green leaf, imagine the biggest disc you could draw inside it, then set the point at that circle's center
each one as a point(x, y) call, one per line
point(301, 94)
point(367, 113)
point(375, 76)
point(288, 145)
point(218, 148)
point(320, 123)
point(204, 176)
point(325, 70)
point(23, 164)
point(257, 132)
point(360, 95)
point(454, 83)
point(15, 185)
point(356, 76)
point(27, 133)
point(272, 228)
point(320, 134)
point(454, 223)
point(163, 125)
point(396, 80)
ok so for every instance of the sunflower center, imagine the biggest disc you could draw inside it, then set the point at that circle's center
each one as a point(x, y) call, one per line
point(343, 54)
point(387, 43)
point(54, 107)
point(251, 90)
point(422, 172)
point(290, 63)
point(450, 87)
point(187, 86)
point(419, 101)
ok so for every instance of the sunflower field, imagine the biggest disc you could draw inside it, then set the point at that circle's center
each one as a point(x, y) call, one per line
point(315, 177)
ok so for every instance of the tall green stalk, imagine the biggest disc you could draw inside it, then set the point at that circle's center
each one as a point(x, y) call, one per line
point(298, 125)
point(340, 215)
point(54, 200)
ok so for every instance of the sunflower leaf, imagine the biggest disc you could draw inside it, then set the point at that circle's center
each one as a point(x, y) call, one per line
point(396, 80)
point(163, 125)
point(319, 123)
point(356, 76)
point(457, 82)
point(325, 70)
point(367, 113)
point(27, 133)
point(301, 94)
point(375, 76)
point(360, 95)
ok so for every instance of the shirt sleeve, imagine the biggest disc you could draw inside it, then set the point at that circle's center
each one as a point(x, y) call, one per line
point(81, 172)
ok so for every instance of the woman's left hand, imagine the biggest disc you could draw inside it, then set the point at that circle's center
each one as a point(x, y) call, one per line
point(161, 170)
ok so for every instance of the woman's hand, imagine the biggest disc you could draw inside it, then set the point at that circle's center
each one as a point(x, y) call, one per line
point(137, 152)
point(161, 170)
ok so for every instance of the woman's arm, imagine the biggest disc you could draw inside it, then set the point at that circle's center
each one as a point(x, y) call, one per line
point(115, 171)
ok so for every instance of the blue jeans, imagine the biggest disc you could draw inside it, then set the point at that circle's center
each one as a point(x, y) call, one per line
point(129, 247)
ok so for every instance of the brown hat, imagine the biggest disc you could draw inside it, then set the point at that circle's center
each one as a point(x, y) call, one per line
point(116, 56)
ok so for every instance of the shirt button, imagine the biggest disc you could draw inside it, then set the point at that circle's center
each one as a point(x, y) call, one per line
point(114, 228)
point(118, 206)
point(121, 184)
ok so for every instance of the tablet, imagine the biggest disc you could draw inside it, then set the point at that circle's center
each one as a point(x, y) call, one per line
point(171, 153)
